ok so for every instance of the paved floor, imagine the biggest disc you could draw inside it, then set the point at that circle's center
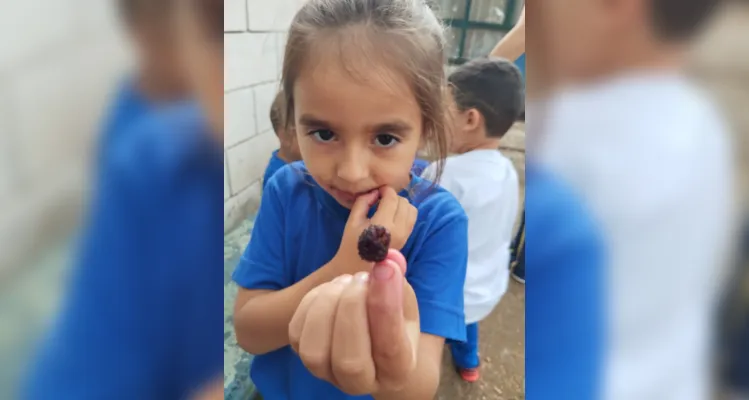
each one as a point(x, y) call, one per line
point(27, 304)
point(502, 351)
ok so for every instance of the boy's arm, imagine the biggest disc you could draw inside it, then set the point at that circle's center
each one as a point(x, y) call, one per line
point(425, 379)
point(512, 45)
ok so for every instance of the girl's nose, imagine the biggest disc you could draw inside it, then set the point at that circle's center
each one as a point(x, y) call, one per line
point(353, 167)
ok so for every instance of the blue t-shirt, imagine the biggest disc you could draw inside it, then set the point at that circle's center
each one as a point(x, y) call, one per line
point(419, 167)
point(277, 163)
point(143, 317)
point(564, 294)
point(127, 107)
point(274, 165)
point(299, 228)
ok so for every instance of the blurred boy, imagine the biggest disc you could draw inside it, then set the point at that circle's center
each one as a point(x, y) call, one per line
point(650, 157)
point(142, 316)
point(289, 150)
point(488, 97)
point(159, 77)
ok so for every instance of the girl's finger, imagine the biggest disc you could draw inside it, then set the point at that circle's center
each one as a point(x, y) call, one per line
point(317, 333)
point(300, 315)
point(399, 259)
point(401, 213)
point(361, 207)
point(388, 205)
point(392, 350)
point(351, 356)
point(413, 214)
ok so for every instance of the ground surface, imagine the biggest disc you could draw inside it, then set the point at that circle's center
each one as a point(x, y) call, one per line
point(502, 351)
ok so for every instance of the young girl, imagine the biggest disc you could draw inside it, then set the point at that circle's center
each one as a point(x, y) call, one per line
point(365, 84)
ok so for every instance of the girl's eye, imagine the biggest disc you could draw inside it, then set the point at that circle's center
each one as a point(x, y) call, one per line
point(323, 135)
point(385, 140)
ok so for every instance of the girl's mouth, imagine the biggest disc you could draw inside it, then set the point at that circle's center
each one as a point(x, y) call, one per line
point(347, 197)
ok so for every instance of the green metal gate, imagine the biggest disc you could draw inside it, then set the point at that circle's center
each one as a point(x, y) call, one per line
point(476, 26)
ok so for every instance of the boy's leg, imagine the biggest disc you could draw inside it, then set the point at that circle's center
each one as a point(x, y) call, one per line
point(466, 354)
point(517, 261)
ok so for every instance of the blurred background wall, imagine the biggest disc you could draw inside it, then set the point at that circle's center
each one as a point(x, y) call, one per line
point(59, 61)
point(254, 40)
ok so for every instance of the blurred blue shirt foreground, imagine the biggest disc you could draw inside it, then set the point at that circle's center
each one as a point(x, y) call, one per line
point(128, 106)
point(141, 319)
point(564, 323)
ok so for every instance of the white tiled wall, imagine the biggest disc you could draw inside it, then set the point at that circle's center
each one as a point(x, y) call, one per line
point(254, 38)
point(57, 69)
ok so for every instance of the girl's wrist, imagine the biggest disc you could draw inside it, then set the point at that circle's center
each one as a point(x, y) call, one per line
point(347, 262)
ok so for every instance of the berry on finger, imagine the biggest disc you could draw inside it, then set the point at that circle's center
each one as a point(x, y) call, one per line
point(374, 243)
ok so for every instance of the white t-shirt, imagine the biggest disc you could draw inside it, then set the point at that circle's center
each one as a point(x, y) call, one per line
point(486, 185)
point(650, 156)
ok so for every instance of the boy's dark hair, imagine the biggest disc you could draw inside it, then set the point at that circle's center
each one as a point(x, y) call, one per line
point(492, 86)
point(277, 111)
point(681, 19)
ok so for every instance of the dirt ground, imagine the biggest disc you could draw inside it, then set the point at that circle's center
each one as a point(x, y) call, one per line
point(502, 334)
point(502, 352)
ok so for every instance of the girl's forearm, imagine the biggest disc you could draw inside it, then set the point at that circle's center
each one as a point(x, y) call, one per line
point(261, 323)
point(213, 391)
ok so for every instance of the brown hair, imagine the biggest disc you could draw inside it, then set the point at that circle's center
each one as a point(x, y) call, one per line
point(404, 33)
point(277, 112)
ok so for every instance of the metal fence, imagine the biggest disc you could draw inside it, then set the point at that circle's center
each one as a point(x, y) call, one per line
point(476, 26)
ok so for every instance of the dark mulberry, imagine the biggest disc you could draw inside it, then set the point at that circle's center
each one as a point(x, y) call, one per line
point(374, 243)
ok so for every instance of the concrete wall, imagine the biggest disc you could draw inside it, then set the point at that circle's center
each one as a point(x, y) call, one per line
point(254, 39)
point(59, 60)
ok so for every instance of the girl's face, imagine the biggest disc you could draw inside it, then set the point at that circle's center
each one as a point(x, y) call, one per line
point(357, 130)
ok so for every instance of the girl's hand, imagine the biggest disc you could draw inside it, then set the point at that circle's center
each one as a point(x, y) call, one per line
point(396, 214)
point(360, 332)
point(393, 212)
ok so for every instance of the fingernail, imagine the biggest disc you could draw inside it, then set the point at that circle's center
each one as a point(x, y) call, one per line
point(343, 279)
point(362, 277)
point(382, 272)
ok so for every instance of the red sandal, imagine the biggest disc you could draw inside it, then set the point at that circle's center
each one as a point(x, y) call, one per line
point(469, 374)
